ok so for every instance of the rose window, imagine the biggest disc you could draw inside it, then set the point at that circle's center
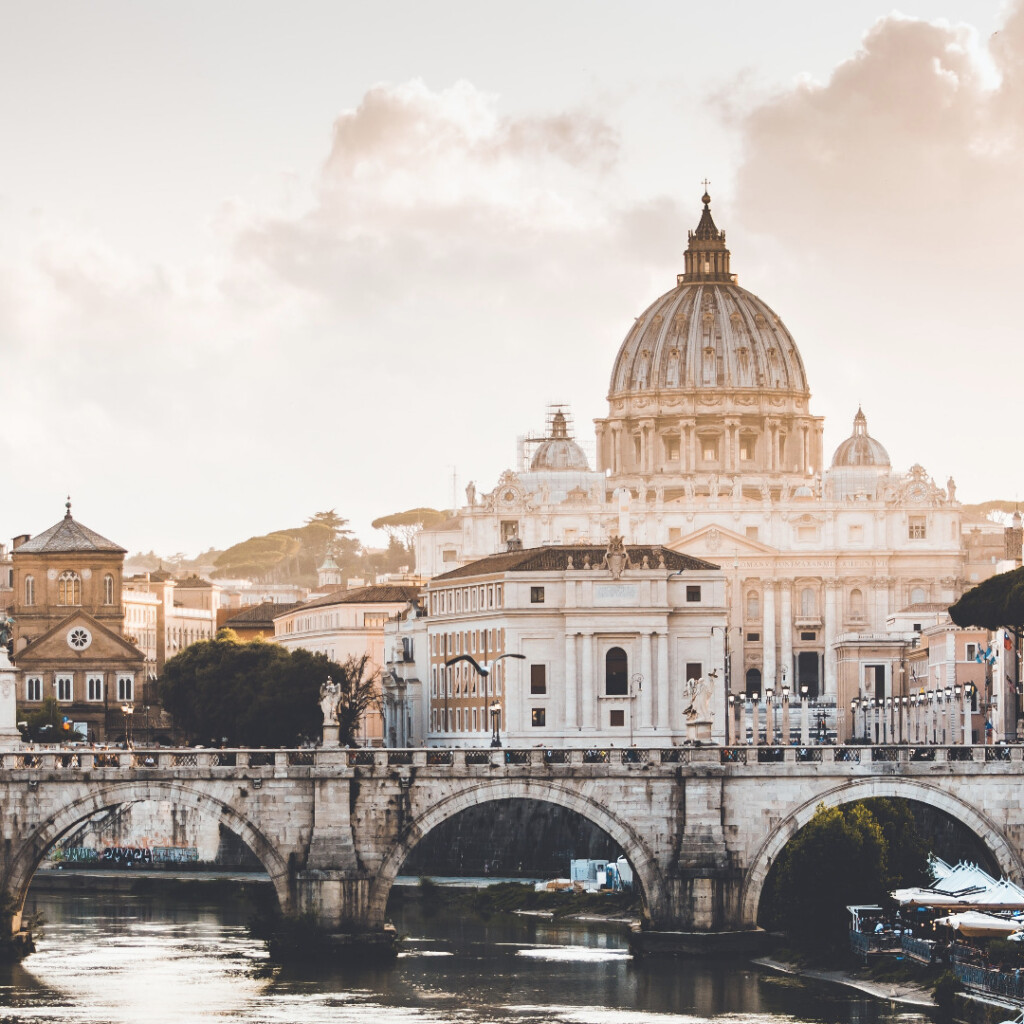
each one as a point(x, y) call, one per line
point(79, 638)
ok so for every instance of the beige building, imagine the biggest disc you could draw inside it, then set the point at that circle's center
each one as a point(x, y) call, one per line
point(710, 448)
point(348, 623)
point(579, 650)
point(68, 629)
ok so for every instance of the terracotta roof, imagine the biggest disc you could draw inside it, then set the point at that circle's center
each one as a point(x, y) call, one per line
point(68, 535)
point(384, 593)
point(556, 559)
point(192, 583)
point(261, 614)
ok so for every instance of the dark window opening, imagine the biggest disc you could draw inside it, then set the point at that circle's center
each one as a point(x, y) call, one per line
point(538, 679)
point(692, 593)
point(616, 717)
point(616, 673)
point(538, 717)
point(754, 638)
point(694, 670)
point(536, 595)
point(808, 636)
point(807, 673)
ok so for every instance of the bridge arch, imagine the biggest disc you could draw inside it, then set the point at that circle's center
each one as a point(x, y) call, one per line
point(33, 848)
point(645, 867)
point(1007, 855)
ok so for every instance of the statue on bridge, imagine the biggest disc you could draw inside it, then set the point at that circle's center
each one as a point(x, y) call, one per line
point(330, 695)
point(6, 629)
point(697, 708)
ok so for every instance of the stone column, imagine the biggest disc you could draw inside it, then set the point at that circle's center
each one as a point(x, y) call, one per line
point(691, 428)
point(644, 720)
point(831, 622)
point(768, 637)
point(9, 735)
point(571, 722)
point(589, 687)
point(786, 633)
point(602, 463)
point(663, 720)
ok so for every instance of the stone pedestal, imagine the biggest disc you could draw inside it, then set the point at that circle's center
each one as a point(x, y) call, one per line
point(698, 731)
point(9, 735)
point(331, 735)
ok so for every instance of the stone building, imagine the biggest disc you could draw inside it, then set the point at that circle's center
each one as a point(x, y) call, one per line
point(710, 448)
point(579, 650)
point(68, 630)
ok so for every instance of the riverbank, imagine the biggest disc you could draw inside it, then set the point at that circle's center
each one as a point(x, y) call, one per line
point(902, 991)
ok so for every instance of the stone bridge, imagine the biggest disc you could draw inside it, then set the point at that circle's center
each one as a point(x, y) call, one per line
point(700, 826)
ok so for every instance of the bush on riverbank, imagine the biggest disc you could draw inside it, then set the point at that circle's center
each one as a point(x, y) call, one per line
point(508, 897)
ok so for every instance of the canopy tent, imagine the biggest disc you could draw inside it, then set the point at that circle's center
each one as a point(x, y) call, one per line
point(933, 898)
point(974, 924)
point(1001, 895)
point(964, 876)
point(1004, 895)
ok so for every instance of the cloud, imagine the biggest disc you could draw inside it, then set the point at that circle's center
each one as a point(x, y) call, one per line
point(888, 203)
point(441, 284)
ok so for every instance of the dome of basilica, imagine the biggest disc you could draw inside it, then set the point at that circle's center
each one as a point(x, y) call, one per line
point(559, 451)
point(860, 448)
point(708, 332)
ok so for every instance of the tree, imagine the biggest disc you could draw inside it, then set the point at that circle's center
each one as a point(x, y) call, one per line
point(906, 848)
point(259, 694)
point(404, 526)
point(48, 724)
point(997, 603)
point(837, 859)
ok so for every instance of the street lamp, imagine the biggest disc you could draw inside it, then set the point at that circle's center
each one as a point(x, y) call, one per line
point(636, 685)
point(854, 705)
point(805, 717)
point(128, 709)
point(728, 670)
point(769, 716)
point(786, 737)
point(495, 710)
point(755, 717)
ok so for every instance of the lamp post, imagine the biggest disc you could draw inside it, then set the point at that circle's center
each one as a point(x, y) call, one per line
point(969, 691)
point(854, 705)
point(755, 717)
point(787, 739)
point(728, 671)
point(805, 717)
point(955, 713)
point(127, 709)
point(769, 717)
point(636, 685)
point(495, 710)
point(948, 716)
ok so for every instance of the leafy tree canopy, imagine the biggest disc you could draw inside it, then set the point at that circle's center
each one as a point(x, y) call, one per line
point(404, 526)
point(844, 856)
point(996, 603)
point(46, 725)
point(260, 694)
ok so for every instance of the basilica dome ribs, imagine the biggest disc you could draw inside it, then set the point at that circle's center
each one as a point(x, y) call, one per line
point(709, 382)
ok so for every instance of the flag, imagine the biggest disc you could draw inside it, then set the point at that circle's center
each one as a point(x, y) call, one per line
point(1007, 642)
point(980, 656)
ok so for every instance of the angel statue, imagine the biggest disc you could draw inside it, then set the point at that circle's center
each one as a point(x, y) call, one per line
point(697, 700)
point(330, 692)
point(6, 629)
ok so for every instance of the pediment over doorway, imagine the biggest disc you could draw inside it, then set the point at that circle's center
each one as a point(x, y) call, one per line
point(717, 541)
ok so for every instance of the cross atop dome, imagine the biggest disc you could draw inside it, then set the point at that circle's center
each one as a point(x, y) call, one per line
point(707, 258)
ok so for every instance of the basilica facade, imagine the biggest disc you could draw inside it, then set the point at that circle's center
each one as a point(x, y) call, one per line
point(710, 449)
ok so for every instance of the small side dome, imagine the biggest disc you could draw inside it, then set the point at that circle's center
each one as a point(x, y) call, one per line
point(860, 449)
point(559, 451)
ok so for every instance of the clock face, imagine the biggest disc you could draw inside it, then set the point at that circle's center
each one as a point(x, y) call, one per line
point(79, 638)
point(917, 492)
point(509, 496)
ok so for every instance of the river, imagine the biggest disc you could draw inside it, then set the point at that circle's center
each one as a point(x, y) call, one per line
point(154, 959)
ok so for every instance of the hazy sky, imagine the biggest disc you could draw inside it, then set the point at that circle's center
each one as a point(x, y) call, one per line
point(258, 260)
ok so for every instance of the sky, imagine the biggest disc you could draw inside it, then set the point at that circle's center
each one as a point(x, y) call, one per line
point(260, 260)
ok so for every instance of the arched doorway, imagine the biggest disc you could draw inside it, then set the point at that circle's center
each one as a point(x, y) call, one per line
point(753, 680)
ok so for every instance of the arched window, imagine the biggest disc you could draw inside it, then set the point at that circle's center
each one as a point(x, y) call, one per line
point(69, 588)
point(30, 590)
point(856, 603)
point(616, 673)
point(917, 596)
point(808, 605)
point(753, 605)
point(108, 589)
point(753, 680)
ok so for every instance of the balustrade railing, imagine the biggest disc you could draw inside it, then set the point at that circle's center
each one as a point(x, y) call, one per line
point(1000, 758)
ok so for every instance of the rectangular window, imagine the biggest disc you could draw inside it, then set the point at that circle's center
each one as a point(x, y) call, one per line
point(475, 720)
point(972, 652)
point(125, 688)
point(916, 526)
point(616, 717)
point(450, 727)
point(747, 448)
point(692, 593)
point(538, 679)
point(754, 638)
point(509, 530)
point(33, 688)
point(709, 449)
point(536, 595)
point(672, 449)
point(538, 717)
point(458, 719)
point(449, 555)
point(694, 670)
point(64, 688)
point(94, 687)
point(808, 636)
point(752, 533)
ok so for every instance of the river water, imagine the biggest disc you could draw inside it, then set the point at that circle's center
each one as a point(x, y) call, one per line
point(149, 959)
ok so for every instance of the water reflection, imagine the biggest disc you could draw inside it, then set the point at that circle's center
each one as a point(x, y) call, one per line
point(134, 959)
